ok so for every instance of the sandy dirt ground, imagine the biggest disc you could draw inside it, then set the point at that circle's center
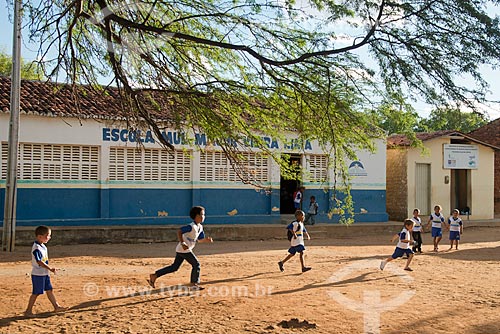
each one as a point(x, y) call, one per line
point(106, 291)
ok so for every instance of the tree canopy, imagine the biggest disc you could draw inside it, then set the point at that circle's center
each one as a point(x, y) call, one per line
point(238, 69)
point(452, 118)
point(397, 117)
point(29, 71)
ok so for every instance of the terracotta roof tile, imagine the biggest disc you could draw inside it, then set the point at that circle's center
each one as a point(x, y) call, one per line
point(55, 99)
point(402, 140)
point(489, 133)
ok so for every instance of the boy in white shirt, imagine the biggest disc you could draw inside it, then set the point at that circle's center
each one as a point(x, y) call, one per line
point(437, 220)
point(312, 211)
point(456, 228)
point(298, 230)
point(188, 236)
point(417, 231)
point(403, 246)
point(40, 269)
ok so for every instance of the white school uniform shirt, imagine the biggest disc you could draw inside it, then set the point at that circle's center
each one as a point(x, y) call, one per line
point(313, 208)
point(417, 224)
point(299, 232)
point(190, 234)
point(455, 224)
point(404, 235)
point(39, 252)
point(298, 197)
point(437, 220)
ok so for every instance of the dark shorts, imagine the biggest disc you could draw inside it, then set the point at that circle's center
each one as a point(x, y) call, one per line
point(399, 252)
point(454, 235)
point(296, 205)
point(437, 232)
point(40, 284)
point(296, 249)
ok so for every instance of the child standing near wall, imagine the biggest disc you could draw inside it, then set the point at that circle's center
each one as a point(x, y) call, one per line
point(312, 211)
point(437, 220)
point(417, 231)
point(456, 228)
point(40, 269)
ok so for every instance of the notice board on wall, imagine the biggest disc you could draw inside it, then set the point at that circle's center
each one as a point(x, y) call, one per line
point(460, 156)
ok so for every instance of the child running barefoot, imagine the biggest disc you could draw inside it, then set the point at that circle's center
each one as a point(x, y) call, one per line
point(40, 269)
point(403, 246)
point(188, 236)
point(456, 228)
point(297, 242)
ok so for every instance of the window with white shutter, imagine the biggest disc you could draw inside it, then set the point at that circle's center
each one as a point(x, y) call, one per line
point(54, 162)
point(134, 164)
point(214, 166)
point(318, 168)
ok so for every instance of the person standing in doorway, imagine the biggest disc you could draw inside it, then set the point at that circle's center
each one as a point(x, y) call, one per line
point(297, 198)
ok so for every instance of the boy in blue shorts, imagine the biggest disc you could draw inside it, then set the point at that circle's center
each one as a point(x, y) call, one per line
point(403, 246)
point(188, 236)
point(456, 228)
point(297, 242)
point(40, 271)
point(437, 220)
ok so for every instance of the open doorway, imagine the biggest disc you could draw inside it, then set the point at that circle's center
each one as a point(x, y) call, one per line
point(461, 190)
point(288, 187)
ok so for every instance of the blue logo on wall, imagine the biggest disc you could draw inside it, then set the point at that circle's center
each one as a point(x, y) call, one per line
point(356, 168)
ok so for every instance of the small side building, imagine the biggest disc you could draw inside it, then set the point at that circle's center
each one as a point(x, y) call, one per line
point(490, 133)
point(453, 170)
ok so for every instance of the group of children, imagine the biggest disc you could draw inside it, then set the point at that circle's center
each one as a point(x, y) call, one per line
point(414, 225)
point(190, 234)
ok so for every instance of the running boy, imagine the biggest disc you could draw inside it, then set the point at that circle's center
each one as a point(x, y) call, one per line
point(403, 246)
point(297, 242)
point(437, 220)
point(40, 269)
point(188, 236)
point(312, 212)
point(417, 231)
point(456, 228)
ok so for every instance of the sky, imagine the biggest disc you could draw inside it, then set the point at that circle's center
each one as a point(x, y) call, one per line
point(28, 53)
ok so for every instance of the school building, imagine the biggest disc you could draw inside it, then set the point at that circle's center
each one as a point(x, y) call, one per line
point(490, 133)
point(85, 167)
point(453, 170)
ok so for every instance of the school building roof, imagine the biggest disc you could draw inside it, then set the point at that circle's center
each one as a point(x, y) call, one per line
point(52, 99)
point(403, 141)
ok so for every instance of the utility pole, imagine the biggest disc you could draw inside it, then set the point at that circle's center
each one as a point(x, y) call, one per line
point(9, 218)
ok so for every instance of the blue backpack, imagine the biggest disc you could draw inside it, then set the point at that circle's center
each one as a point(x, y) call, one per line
point(289, 233)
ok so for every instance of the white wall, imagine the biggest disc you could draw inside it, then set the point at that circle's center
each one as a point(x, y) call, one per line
point(482, 185)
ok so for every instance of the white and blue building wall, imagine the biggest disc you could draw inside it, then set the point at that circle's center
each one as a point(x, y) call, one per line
point(85, 172)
